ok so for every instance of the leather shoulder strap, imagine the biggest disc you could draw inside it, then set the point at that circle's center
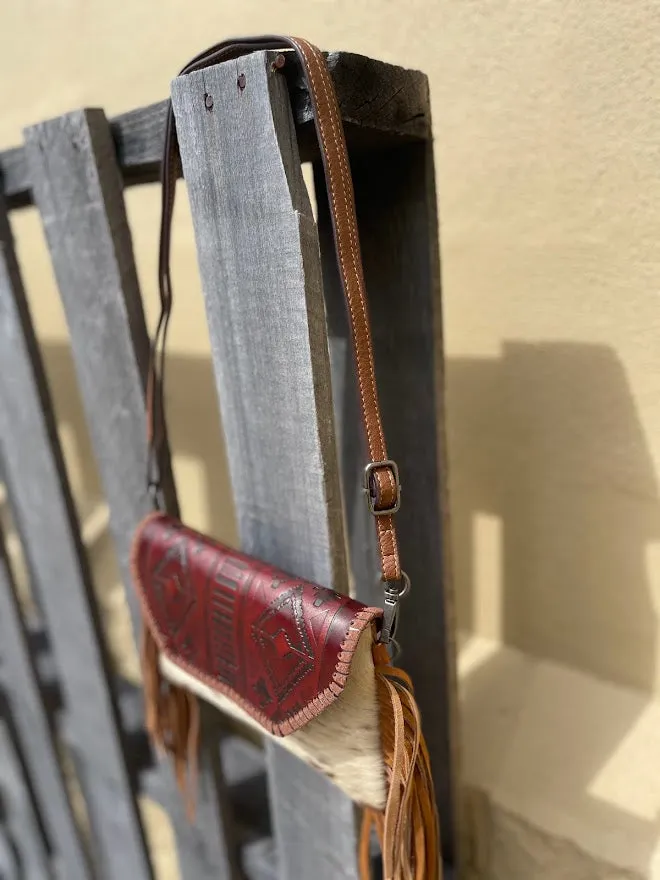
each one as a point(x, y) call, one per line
point(381, 484)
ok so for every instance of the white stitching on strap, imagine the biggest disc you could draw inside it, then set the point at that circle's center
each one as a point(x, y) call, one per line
point(310, 55)
point(354, 246)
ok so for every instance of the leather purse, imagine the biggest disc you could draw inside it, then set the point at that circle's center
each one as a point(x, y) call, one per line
point(302, 663)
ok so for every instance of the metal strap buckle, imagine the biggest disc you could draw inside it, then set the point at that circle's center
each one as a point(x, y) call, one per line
point(366, 486)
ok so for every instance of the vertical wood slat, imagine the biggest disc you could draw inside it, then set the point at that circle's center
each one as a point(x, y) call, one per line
point(21, 820)
point(21, 687)
point(46, 521)
point(78, 190)
point(8, 864)
point(396, 207)
point(259, 261)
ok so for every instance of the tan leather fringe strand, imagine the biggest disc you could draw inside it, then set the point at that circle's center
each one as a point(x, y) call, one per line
point(172, 718)
point(408, 827)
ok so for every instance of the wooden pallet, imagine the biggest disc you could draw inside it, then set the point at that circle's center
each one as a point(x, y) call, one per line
point(288, 401)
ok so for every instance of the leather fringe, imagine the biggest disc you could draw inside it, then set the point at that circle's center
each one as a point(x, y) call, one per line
point(172, 719)
point(408, 828)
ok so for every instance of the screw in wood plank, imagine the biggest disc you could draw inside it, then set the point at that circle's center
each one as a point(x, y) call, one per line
point(279, 62)
point(208, 102)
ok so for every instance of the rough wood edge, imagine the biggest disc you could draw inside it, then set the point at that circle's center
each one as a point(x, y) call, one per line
point(380, 103)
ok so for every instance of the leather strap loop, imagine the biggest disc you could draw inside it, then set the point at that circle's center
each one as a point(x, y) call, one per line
point(382, 485)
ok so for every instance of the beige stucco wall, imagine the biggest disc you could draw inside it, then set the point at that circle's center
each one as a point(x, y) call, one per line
point(547, 126)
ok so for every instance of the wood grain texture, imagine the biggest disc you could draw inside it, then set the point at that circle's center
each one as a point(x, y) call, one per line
point(78, 190)
point(396, 207)
point(259, 261)
point(46, 522)
point(380, 103)
point(9, 866)
point(260, 860)
point(25, 705)
point(21, 819)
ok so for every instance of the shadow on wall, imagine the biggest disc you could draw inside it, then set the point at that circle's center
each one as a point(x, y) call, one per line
point(200, 472)
point(554, 496)
point(554, 507)
point(195, 436)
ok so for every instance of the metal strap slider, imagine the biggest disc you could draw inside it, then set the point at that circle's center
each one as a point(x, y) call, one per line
point(369, 487)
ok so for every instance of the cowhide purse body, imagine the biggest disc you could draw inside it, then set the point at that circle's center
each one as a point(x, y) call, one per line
point(297, 660)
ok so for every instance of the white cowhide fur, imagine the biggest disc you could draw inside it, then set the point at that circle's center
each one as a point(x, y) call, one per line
point(343, 742)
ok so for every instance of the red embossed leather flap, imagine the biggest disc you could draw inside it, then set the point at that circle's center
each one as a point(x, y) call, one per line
point(278, 646)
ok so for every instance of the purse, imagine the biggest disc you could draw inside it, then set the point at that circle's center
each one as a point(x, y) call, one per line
point(300, 662)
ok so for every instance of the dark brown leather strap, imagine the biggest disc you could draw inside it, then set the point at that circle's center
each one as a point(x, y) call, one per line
point(381, 475)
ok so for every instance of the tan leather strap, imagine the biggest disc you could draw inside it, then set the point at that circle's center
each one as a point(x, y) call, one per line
point(381, 476)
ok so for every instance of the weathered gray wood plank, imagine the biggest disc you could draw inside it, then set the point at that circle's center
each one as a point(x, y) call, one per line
point(260, 860)
point(8, 857)
point(21, 819)
point(396, 206)
point(78, 190)
point(21, 687)
point(259, 261)
point(380, 103)
point(45, 518)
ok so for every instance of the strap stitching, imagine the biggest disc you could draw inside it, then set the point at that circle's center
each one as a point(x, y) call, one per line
point(340, 249)
point(385, 531)
point(377, 453)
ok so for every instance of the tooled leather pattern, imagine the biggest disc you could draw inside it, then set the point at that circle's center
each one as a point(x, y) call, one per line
point(275, 641)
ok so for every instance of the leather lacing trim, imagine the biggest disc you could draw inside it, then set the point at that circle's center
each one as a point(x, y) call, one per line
point(156, 687)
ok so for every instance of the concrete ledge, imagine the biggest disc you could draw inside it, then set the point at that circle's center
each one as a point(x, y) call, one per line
point(562, 771)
